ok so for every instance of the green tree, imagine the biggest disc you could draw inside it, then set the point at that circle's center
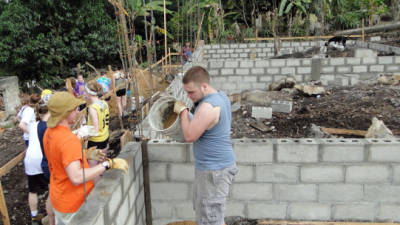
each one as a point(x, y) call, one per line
point(43, 39)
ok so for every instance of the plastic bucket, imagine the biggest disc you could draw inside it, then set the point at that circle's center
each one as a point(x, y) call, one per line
point(163, 119)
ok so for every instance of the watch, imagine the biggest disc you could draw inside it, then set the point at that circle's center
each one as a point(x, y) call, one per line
point(106, 165)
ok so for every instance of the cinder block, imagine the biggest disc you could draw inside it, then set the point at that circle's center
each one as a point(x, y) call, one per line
point(342, 150)
point(297, 150)
point(216, 64)
point(382, 193)
point(270, 44)
point(221, 51)
point(396, 174)
point(257, 71)
point(246, 64)
point(226, 46)
point(285, 44)
point(133, 193)
point(397, 59)
point(131, 219)
point(246, 174)
point(261, 112)
point(321, 174)
point(360, 69)
point(385, 59)
point(244, 55)
point(303, 70)
point(277, 173)
point(340, 192)
point(234, 55)
point(265, 78)
point(181, 172)
point(336, 61)
point(367, 174)
point(207, 46)
point(123, 213)
point(225, 56)
point(353, 61)
point(237, 79)
point(393, 68)
point(242, 71)
point(213, 72)
point(184, 211)
point(253, 151)
point(264, 210)
point(278, 62)
point(295, 192)
point(238, 50)
point(167, 152)
point(233, 46)
point(215, 46)
point(158, 171)
point(328, 69)
point(243, 46)
point(343, 69)
point(251, 191)
point(385, 150)
point(369, 60)
point(273, 71)
point(376, 68)
point(294, 62)
point(259, 86)
point(115, 201)
point(306, 62)
point(354, 212)
point(249, 78)
point(281, 106)
point(231, 64)
point(389, 212)
point(219, 79)
point(169, 191)
point(261, 45)
point(225, 72)
point(309, 211)
point(288, 70)
point(229, 51)
point(235, 209)
point(229, 86)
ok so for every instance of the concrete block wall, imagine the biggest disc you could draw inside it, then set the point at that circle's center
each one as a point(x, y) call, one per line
point(378, 47)
point(235, 76)
point(291, 179)
point(238, 51)
point(118, 198)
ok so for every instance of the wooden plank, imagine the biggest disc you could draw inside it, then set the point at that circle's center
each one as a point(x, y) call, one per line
point(297, 38)
point(287, 222)
point(146, 182)
point(3, 207)
point(11, 164)
point(344, 131)
point(260, 126)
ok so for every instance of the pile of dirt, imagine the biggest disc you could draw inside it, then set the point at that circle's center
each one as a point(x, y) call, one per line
point(341, 107)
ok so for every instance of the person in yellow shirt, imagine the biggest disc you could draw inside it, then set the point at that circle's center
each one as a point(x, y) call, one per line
point(98, 118)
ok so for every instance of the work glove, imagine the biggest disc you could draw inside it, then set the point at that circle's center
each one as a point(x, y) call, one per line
point(179, 106)
point(85, 132)
point(119, 164)
point(94, 154)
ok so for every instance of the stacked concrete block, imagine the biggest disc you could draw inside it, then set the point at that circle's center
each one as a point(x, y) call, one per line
point(118, 198)
point(291, 179)
point(281, 106)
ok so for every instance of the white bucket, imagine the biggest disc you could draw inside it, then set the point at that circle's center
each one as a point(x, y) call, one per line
point(159, 112)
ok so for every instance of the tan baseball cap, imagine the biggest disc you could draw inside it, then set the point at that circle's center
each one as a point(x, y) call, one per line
point(60, 105)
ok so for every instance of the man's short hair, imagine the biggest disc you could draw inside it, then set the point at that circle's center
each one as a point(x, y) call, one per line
point(196, 74)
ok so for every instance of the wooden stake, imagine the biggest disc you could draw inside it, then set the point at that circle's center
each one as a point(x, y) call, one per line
point(11, 164)
point(3, 207)
point(170, 60)
point(165, 29)
point(363, 31)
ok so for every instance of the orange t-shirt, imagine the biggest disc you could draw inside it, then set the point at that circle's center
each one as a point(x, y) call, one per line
point(62, 147)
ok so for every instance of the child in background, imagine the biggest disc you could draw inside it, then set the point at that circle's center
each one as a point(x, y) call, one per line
point(28, 116)
point(105, 83)
point(80, 86)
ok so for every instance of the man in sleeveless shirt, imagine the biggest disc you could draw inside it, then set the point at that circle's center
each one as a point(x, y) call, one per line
point(209, 130)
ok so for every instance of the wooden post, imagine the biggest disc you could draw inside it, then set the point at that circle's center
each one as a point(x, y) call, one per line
point(170, 60)
point(3, 207)
point(165, 29)
point(363, 31)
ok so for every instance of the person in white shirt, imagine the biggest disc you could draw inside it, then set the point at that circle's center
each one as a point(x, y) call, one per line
point(28, 116)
